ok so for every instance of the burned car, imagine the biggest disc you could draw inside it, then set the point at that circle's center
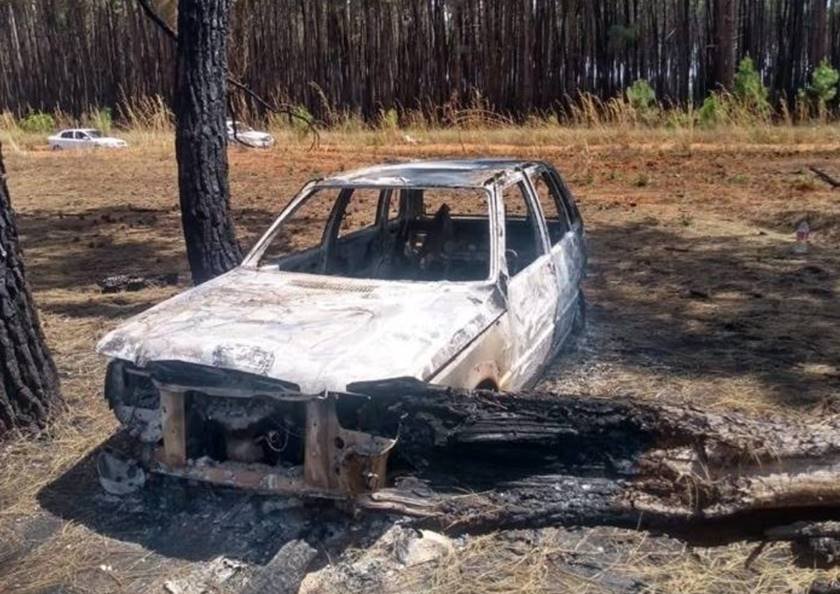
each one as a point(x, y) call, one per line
point(458, 273)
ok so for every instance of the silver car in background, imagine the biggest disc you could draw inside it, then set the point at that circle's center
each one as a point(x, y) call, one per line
point(242, 133)
point(83, 138)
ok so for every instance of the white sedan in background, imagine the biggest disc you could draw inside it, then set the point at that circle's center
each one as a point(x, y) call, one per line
point(244, 134)
point(81, 138)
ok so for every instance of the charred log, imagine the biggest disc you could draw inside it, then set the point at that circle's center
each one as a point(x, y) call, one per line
point(487, 460)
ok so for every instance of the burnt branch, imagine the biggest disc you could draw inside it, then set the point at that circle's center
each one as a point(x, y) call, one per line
point(831, 181)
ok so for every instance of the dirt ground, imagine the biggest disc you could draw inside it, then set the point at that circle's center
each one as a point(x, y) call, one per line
point(695, 294)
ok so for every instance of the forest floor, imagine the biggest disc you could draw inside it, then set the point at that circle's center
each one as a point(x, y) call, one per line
point(695, 292)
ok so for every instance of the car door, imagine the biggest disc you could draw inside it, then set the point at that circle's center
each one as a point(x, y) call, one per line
point(66, 139)
point(83, 140)
point(564, 247)
point(532, 289)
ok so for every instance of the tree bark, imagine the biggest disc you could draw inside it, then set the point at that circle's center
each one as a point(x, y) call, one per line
point(723, 69)
point(486, 461)
point(819, 30)
point(28, 380)
point(201, 138)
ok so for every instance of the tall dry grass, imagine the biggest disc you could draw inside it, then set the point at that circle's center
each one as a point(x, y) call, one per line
point(586, 120)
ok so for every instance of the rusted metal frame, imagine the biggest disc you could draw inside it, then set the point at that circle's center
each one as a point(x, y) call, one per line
point(260, 478)
point(173, 414)
point(320, 441)
point(338, 462)
point(336, 458)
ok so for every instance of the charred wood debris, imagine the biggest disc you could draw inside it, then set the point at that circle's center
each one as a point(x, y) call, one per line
point(475, 462)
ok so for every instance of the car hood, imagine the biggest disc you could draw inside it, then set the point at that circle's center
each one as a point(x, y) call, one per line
point(320, 333)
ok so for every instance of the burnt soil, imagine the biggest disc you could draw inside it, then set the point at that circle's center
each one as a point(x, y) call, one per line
point(695, 296)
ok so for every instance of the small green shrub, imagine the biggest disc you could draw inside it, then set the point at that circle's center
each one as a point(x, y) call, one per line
point(824, 79)
point(749, 89)
point(641, 95)
point(711, 112)
point(38, 122)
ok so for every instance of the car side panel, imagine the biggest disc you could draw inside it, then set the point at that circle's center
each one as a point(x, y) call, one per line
point(532, 301)
point(485, 361)
point(564, 267)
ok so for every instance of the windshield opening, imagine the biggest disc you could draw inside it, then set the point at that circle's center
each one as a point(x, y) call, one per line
point(428, 234)
point(94, 133)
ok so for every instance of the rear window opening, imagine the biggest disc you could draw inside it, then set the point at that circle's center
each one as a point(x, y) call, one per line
point(428, 234)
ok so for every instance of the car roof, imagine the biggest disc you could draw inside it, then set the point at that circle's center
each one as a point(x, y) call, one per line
point(455, 173)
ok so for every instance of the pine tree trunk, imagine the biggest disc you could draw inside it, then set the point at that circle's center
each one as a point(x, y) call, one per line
point(819, 28)
point(724, 41)
point(29, 388)
point(201, 139)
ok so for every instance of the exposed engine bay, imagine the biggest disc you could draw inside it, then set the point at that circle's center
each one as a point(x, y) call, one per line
point(213, 424)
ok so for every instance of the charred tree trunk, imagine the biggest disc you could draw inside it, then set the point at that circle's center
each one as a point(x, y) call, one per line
point(479, 461)
point(29, 388)
point(723, 68)
point(201, 138)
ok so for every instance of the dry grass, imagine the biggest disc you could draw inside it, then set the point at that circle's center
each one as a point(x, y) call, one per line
point(696, 297)
point(722, 570)
point(488, 564)
point(609, 561)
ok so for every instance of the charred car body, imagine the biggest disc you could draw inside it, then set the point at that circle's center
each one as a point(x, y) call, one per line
point(458, 273)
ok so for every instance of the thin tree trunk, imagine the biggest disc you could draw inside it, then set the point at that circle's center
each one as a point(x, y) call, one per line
point(819, 30)
point(28, 380)
point(724, 42)
point(201, 139)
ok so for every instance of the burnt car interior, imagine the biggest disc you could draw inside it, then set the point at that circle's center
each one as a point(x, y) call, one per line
point(388, 234)
point(425, 234)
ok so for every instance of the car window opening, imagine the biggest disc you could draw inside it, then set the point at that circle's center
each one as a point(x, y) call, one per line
point(522, 232)
point(553, 206)
point(427, 234)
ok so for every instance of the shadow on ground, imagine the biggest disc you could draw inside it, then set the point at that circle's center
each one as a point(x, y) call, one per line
point(194, 522)
point(678, 307)
point(69, 250)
